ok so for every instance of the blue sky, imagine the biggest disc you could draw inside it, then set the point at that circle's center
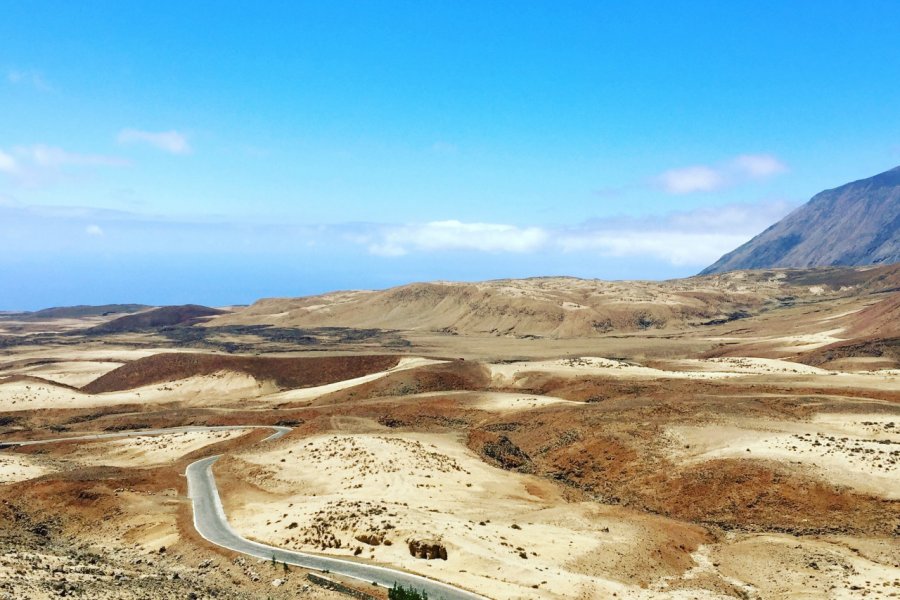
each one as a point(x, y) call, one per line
point(218, 152)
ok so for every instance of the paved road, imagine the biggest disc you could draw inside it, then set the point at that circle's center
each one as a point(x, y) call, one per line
point(212, 524)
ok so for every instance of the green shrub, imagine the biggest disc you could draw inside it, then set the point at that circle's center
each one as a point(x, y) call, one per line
point(398, 592)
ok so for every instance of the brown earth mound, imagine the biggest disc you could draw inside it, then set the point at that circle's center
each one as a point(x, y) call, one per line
point(882, 319)
point(78, 312)
point(887, 349)
point(456, 375)
point(165, 316)
point(285, 372)
point(615, 451)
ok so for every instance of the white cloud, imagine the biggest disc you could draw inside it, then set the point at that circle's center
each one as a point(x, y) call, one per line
point(711, 178)
point(696, 237)
point(454, 235)
point(33, 78)
point(675, 247)
point(39, 163)
point(698, 178)
point(758, 166)
point(693, 238)
point(168, 141)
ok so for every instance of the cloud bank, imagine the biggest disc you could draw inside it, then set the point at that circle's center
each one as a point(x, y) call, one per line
point(681, 238)
point(454, 235)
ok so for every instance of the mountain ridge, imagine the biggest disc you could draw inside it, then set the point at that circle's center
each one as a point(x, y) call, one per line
point(854, 224)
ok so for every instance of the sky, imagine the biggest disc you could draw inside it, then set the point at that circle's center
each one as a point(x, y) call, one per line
point(220, 152)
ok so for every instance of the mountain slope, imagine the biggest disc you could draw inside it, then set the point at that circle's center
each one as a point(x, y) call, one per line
point(855, 224)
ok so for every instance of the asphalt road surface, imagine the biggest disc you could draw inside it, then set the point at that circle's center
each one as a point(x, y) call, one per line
point(212, 524)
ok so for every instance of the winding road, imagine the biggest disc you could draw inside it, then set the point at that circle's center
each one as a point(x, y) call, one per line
point(212, 524)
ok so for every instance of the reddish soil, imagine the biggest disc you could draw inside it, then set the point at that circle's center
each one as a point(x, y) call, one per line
point(456, 375)
point(887, 349)
point(284, 372)
point(158, 317)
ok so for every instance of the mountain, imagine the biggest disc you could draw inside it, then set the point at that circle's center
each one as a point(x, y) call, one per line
point(852, 225)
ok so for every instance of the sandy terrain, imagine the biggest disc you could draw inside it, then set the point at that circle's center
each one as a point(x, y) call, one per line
point(500, 401)
point(149, 451)
point(728, 368)
point(559, 307)
point(488, 401)
point(838, 569)
point(311, 393)
point(506, 373)
point(736, 436)
point(809, 341)
point(219, 388)
point(503, 533)
point(91, 353)
point(750, 366)
point(17, 467)
point(856, 450)
point(74, 373)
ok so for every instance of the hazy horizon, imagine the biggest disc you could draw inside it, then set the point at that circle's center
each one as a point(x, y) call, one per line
point(178, 154)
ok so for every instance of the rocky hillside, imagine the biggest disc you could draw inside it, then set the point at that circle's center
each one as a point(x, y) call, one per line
point(855, 224)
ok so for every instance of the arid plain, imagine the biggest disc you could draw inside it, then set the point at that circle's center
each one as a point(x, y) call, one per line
point(726, 436)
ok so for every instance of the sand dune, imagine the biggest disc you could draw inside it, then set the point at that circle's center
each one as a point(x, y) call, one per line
point(858, 451)
point(504, 533)
point(149, 451)
point(320, 390)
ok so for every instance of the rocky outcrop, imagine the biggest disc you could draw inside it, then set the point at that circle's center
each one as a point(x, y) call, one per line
point(372, 539)
point(427, 549)
point(508, 455)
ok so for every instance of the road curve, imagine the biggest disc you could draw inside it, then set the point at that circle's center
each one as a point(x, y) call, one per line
point(212, 524)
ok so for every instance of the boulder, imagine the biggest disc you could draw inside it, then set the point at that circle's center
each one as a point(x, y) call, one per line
point(427, 549)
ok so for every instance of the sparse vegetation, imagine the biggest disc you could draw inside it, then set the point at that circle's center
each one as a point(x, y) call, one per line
point(398, 592)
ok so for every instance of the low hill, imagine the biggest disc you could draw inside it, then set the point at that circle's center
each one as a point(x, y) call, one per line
point(165, 316)
point(854, 224)
point(561, 307)
point(78, 312)
point(284, 372)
